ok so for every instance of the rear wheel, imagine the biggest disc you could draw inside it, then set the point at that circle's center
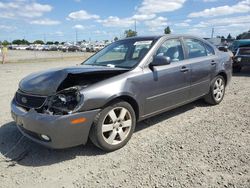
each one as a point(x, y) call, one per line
point(113, 126)
point(217, 91)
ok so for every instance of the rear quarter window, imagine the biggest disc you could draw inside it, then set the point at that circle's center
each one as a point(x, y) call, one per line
point(209, 49)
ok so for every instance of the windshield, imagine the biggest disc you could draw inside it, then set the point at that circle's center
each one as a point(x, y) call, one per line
point(122, 54)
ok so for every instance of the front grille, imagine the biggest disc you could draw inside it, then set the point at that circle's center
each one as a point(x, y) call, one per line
point(244, 52)
point(29, 101)
point(245, 60)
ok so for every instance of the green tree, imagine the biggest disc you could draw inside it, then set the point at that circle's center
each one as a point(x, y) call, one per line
point(56, 42)
point(244, 35)
point(229, 36)
point(116, 39)
point(167, 30)
point(5, 43)
point(49, 43)
point(20, 42)
point(130, 33)
point(38, 42)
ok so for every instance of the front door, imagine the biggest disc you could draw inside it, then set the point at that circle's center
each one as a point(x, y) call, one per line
point(167, 86)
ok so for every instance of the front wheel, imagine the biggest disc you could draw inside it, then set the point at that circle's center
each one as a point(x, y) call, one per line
point(217, 91)
point(113, 126)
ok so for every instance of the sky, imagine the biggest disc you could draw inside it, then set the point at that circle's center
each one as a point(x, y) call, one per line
point(71, 20)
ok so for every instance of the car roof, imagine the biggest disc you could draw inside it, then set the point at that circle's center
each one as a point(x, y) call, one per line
point(156, 37)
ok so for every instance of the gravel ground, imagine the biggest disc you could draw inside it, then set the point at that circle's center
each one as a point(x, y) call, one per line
point(193, 146)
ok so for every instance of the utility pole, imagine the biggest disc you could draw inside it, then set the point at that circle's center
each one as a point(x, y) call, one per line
point(44, 38)
point(135, 25)
point(76, 36)
point(212, 35)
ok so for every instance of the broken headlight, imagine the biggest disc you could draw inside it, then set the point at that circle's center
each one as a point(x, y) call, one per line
point(64, 102)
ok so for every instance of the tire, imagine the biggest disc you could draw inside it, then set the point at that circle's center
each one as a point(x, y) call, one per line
point(217, 91)
point(113, 126)
point(236, 69)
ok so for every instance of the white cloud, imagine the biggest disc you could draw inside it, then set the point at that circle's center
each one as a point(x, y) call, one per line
point(182, 24)
point(45, 21)
point(222, 26)
point(240, 7)
point(209, 1)
point(82, 15)
point(114, 21)
point(159, 6)
point(25, 9)
point(59, 33)
point(78, 26)
point(185, 23)
point(98, 32)
point(197, 32)
point(229, 21)
point(6, 27)
point(142, 17)
point(157, 23)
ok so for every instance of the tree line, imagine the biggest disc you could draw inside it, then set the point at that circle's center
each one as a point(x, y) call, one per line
point(25, 42)
point(127, 33)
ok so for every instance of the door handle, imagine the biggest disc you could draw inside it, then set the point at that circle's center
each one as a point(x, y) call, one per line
point(184, 69)
point(213, 62)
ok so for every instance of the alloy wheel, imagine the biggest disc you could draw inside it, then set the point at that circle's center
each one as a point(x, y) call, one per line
point(116, 125)
point(218, 91)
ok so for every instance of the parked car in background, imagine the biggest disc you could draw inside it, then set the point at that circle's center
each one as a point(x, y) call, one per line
point(241, 58)
point(239, 43)
point(98, 47)
point(90, 48)
point(74, 48)
point(106, 95)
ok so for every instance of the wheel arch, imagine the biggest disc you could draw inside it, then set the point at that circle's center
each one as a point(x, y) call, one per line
point(128, 99)
point(224, 75)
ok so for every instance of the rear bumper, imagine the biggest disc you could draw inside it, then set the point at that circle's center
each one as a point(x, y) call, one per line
point(59, 129)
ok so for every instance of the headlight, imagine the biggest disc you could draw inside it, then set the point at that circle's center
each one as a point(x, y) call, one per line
point(239, 59)
point(64, 102)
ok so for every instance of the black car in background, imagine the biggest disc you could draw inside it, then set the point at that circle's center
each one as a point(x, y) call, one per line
point(241, 58)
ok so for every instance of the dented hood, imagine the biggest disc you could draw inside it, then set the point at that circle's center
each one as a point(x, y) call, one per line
point(47, 82)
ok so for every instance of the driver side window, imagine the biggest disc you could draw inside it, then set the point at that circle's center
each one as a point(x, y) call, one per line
point(173, 49)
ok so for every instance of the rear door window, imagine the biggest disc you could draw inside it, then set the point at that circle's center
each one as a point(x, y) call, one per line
point(210, 50)
point(195, 48)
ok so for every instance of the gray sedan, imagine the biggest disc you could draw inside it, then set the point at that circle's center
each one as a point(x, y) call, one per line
point(126, 82)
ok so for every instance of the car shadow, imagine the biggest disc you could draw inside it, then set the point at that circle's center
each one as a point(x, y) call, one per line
point(245, 72)
point(17, 149)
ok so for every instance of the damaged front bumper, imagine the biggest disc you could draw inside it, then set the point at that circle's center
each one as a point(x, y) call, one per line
point(58, 128)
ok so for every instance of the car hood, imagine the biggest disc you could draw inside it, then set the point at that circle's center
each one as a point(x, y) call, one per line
point(50, 82)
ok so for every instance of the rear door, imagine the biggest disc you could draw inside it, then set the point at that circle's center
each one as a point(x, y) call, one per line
point(202, 62)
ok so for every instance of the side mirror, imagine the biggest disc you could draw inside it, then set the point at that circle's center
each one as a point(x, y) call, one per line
point(223, 49)
point(160, 60)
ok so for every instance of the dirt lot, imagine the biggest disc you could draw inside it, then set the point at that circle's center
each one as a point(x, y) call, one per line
point(24, 56)
point(192, 146)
